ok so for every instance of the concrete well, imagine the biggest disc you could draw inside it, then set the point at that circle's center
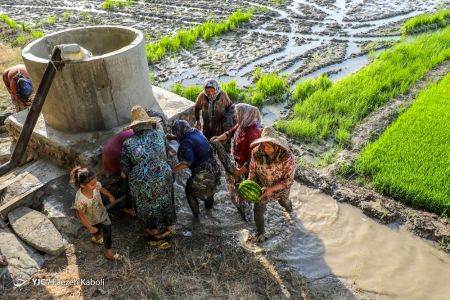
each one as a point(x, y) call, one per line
point(96, 93)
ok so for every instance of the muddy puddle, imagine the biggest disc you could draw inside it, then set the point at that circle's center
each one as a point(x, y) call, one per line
point(338, 239)
point(325, 239)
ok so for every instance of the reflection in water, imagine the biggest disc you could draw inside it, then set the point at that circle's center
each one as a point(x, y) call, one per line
point(339, 239)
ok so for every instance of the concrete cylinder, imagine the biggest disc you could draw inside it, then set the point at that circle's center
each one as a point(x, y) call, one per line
point(96, 93)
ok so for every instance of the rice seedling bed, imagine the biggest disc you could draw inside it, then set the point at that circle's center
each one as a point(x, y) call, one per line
point(410, 160)
point(334, 112)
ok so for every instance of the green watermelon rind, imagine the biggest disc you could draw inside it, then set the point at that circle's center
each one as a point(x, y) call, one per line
point(250, 191)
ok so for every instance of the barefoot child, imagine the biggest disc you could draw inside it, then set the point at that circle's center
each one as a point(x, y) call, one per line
point(90, 210)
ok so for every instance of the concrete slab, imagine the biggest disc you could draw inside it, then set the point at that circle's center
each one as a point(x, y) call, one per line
point(36, 230)
point(57, 206)
point(174, 106)
point(19, 185)
point(23, 260)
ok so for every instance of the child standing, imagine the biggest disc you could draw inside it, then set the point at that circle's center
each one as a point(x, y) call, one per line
point(90, 209)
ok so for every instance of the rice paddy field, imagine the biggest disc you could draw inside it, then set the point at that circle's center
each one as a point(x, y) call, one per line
point(410, 161)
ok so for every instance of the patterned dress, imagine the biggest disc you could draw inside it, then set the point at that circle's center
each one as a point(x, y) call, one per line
point(267, 174)
point(144, 159)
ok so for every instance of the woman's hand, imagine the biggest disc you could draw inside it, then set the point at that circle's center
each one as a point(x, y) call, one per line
point(172, 152)
point(221, 138)
point(238, 172)
point(266, 193)
point(123, 175)
point(93, 230)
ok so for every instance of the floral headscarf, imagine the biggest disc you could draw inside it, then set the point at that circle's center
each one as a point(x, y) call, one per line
point(180, 128)
point(247, 115)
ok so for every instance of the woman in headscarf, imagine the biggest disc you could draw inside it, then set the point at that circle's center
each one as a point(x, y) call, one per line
point(216, 108)
point(246, 130)
point(272, 166)
point(144, 163)
point(195, 153)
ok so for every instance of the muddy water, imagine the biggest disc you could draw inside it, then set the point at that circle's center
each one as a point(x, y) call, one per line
point(326, 239)
point(338, 239)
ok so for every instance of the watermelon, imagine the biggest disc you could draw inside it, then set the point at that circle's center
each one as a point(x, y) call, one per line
point(250, 191)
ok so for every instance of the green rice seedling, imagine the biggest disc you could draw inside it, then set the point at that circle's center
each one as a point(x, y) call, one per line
point(187, 38)
point(273, 86)
point(440, 19)
point(190, 92)
point(85, 16)
point(21, 40)
point(24, 27)
point(110, 4)
point(37, 34)
point(256, 98)
point(410, 161)
point(232, 90)
point(7, 20)
point(303, 128)
point(50, 20)
point(305, 89)
point(256, 75)
point(349, 100)
point(66, 16)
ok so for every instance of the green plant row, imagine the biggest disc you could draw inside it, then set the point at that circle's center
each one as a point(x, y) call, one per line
point(411, 160)
point(440, 19)
point(268, 88)
point(187, 38)
point(25, 31)
point(306, 88)
point(109, 4)
point(336, 110)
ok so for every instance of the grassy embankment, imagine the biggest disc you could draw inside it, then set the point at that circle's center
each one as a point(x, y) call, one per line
point(110, 4)
point(336, 110)
point(187, 38)
point(410, 161)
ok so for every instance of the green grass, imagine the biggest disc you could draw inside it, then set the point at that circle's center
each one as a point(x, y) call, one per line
point(439, 19)
point(110, 4)
point(306, 88)
point(187, 38)
point(335, 111)
point(411, 160)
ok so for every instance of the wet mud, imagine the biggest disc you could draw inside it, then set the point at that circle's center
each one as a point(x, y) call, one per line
point(279, 38)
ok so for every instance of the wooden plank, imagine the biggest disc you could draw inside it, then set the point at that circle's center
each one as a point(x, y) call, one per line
point(19, 185)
